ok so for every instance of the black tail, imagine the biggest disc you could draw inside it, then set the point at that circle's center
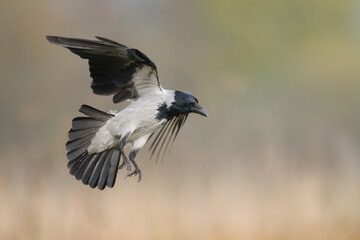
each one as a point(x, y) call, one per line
point(98, 169)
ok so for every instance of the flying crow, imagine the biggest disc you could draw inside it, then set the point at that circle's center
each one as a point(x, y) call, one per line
point(97, 141)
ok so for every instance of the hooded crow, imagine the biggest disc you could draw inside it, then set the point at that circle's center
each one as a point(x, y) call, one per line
point(97, 141)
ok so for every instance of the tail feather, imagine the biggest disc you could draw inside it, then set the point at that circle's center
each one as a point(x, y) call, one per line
point(90, 168)
point(95, 113)
point(80, 171)
point(75, 153)
point(114, 162)
point(85, 123)
point(93, 181)
point(105, 170)
point(73, 165)
point(74, 144)
point(97, 169)
point(75, 134)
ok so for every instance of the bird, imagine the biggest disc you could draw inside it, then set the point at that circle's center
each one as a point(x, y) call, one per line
point(97, 141)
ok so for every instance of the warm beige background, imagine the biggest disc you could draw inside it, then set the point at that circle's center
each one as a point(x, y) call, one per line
point(278, 158)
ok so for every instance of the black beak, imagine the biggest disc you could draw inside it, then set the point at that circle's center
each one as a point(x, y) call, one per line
point(199, 109)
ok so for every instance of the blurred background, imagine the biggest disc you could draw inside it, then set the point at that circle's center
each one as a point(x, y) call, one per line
point(278, 158)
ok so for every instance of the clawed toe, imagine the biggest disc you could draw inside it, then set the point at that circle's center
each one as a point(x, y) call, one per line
point(127, 163)
point(122, 165)
point(140, 176)
point(128, 167)
point(134, 173)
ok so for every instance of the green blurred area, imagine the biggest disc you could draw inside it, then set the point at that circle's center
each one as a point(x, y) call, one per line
point(278, 158)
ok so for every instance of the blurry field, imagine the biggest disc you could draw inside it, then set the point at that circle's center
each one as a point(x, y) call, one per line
point(278, 158)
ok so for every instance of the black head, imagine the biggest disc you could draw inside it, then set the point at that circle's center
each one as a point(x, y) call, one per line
point(176, 115)
point(185, 102)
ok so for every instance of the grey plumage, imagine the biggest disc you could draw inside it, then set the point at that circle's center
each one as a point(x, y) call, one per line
point(75, 134)
point(90, 168)
point(81, 164)
point(85, 123)
point(80, 171)
point(74, 144)
point(77, 152)
point(114, 164)
point(98, 139)
point(95, 113)
point(105, 170)
point(97, 170)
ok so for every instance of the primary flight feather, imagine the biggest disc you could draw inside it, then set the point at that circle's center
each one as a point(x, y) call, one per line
point(97, 141)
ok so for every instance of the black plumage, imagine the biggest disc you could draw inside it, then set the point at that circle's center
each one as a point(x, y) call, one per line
point(80, 135)
point(98, 139)
point(114, 164)
point(112, 65)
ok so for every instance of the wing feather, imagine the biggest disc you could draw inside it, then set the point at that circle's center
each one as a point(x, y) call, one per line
point(115, 69)
point(167, 133)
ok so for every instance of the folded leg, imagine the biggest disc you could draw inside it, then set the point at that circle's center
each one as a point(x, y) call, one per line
point(126, 160)
point(137, 170)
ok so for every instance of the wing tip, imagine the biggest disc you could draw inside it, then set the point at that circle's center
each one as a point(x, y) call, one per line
point(53, 39)
point(109, 41)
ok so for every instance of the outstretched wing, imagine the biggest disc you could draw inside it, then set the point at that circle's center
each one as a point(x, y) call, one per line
point(115, 69)
point(167, 134)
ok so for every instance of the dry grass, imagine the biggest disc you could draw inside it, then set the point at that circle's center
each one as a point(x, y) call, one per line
point(175, 201)
point(278, 158)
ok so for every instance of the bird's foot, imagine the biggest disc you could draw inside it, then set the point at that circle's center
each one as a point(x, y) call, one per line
point(137, 171)
point(126, 160)
point(122, 165)
point(127, 163)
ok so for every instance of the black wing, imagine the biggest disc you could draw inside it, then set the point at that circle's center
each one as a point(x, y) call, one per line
point(167, 134)
point(115, 69)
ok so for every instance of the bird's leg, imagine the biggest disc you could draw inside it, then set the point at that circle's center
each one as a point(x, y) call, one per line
point(122, 164)
point(137, 170)
point(126, 160)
